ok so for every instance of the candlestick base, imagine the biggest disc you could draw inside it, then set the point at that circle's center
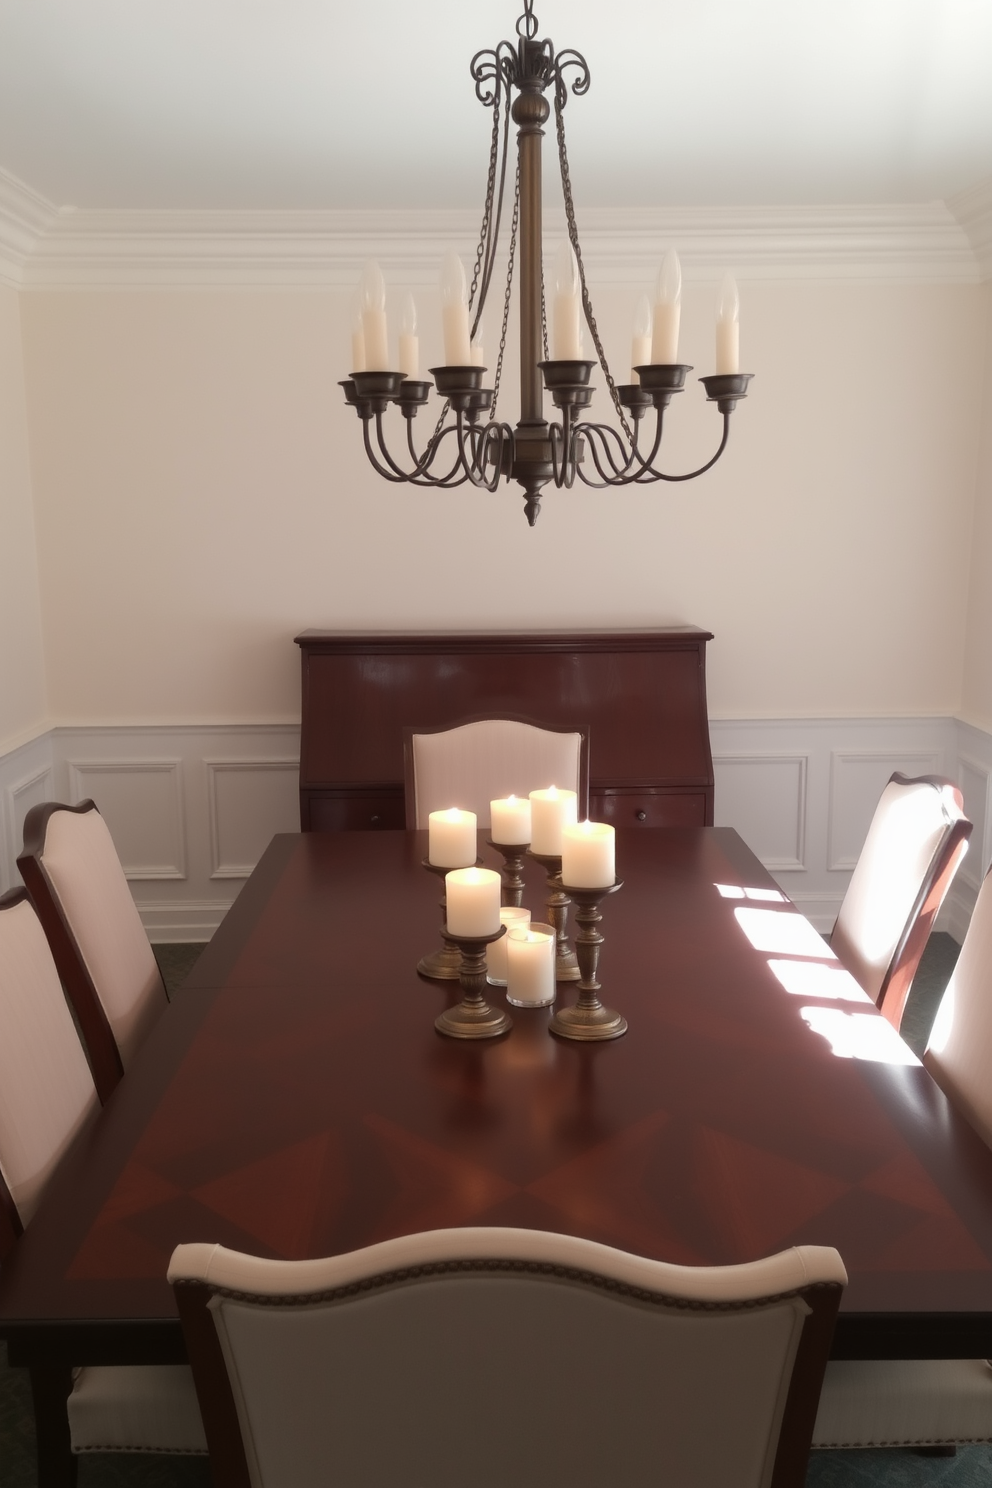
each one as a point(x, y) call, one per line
point(472, 1018)
point(588, 1020)
point(566, 965)
point(513, 863)
point(444, 964)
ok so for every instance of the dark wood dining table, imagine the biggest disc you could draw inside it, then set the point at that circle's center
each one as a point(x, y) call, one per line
point(295, 1100)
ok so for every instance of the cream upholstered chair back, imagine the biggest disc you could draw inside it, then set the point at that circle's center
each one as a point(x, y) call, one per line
point(959, 1054)
point(498, 1356)
point(916, 840)
point(487, 759)
point(46, 1089)
point(75, 878)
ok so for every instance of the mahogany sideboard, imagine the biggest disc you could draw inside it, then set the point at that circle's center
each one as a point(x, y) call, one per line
point(641, 693)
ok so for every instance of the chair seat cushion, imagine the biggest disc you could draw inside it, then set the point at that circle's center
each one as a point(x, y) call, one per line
point(135, 1408)
point(904, 1403)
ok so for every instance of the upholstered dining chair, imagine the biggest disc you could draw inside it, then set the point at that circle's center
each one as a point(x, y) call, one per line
point(478, 760)
point(931, 1402)
point(917, 838)
point(495, 1356)
point(74, 876)
point(47, 1096)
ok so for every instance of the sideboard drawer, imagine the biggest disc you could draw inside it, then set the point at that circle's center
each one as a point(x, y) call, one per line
point(648, 808)
point(355, 811)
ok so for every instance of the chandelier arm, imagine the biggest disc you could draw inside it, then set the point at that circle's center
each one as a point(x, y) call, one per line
point(598, 438)
point(470, 439)
point(691, 474)
point(420, 475)
point(387, 474)
point(422, 463)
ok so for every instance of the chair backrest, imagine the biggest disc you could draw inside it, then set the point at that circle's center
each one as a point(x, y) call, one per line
point(75, 878)
point(46, 1089)
point(959, 1053)
point(491, 1357)
point(915, 843)
point(478, 760)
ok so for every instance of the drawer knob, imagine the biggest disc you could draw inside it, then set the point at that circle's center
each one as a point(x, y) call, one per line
point(641, 815)
point(375, 820)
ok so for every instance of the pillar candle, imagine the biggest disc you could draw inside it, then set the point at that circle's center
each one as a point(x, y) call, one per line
point(530, 966)
point(472, 896)
point(374, 327)
point(510, 819)
point(640, 341)
point(588, 855)
point(513, 918)
point(549, 811)
point(409, 341)
point(451, 838)
point(567, 321)
point(728, 327)
point(454, 312)
point(667, 311)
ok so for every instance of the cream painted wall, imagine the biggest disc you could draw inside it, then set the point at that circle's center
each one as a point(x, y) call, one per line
point(201, 495)
point(22, 674)
point(977, 699)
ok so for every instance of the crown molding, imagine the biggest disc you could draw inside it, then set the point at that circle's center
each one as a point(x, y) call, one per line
point(47, 248)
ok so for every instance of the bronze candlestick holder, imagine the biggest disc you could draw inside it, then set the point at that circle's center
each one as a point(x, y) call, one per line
point(588, 1019)
point(513, 864)
point(566, 965)
point(472, 1018)
point(444, 964)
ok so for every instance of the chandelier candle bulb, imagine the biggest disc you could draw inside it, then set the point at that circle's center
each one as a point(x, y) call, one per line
point(640, 344)
point(728, 327)
point(510, 819)
point(514, 919)
point(588, 855)
point(473, 901)
point(451, 838)
point(477, 348)
point(530, 965)
point(667, 311)
point(567, 338)
point(550, 810)
point(357, 339)
point(374, 328)
point(409, 341)
point(454, 312)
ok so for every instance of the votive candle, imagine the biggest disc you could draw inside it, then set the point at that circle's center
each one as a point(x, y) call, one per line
point(530, 966)
point(472, 896)
point(549, 811)
point(510, 818)
point(588, 855)
point(451, 838)
point(513, 918)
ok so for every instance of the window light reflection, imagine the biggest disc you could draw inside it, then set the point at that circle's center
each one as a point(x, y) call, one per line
point(784, 934)
point(814, 979)
point(858, 1035)
point(737, 891)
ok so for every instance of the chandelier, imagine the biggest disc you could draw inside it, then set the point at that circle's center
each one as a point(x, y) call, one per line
point(469, 442)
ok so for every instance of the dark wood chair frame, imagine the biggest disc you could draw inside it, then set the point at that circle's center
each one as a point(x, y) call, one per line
point(94, 1025)
point(902, 968)
point(409, 788)
point(228, 1464)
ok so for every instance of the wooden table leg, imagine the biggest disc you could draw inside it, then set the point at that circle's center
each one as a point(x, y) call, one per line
point(50, 1388)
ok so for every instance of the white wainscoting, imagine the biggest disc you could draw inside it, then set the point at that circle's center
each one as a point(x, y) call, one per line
point(192, 808)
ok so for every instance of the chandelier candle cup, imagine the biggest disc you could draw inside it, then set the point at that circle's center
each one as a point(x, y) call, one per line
point(567, 339)
point(451, 838)
point(728, 360)
point(473, 902)
point(510, 819)
point(374, 328)
point(530, 965)
point(454, 312)
point(640, 341)
point(667, 311)
point(550, 810)
point(588, 855)
point(409, 341)
point(514, 918)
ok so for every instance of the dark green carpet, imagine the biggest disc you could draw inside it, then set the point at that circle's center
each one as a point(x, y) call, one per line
point(971, 1468)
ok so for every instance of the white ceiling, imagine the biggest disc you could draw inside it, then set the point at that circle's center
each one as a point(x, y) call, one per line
point(315, 104)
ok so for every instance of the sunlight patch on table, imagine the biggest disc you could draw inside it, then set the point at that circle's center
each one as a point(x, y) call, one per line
point(858, 1035)
point(815, 979)
point(782, 933)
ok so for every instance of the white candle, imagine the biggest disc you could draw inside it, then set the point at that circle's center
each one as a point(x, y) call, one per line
point(640, 341)
point(667, 311)
point(567, 338)
point(588, 855)
point(454, 312)
point(513, 918)
point(549, 811)
point(728, 327)
point(510, 819)
point(374, 327)
point(530, 966)
point(478, 349)
point(357, 339)
point(451, 838)
point(472, 896)
point(409, 341)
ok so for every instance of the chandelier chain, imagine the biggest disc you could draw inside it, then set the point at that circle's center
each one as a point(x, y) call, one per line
point(511, 257)
point(527, 23)
point(573, 235)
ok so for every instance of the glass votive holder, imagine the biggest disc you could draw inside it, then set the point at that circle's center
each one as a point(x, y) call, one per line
point(530, 965)
point(513, 918)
